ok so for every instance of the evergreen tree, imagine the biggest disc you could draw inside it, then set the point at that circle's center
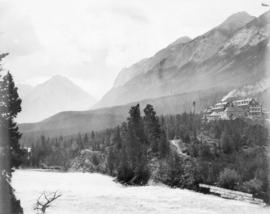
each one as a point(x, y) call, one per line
point(110, 161)
point(136, 138)
point(86, 141)
point(163, 145)
point(10, 151)
point(226, 142)
point(152, 128)
point(80, 142)
point(124, 171)
point(93, 141)
point(117, 139)
point(135, 149)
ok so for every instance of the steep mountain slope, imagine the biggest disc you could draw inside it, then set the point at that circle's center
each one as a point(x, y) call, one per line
point(228, 56)
point(144, 65)
point(53, 96)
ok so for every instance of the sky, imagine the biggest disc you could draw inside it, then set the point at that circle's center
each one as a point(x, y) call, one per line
point(90, 41)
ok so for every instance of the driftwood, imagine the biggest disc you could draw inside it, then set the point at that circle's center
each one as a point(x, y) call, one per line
point(45, 200)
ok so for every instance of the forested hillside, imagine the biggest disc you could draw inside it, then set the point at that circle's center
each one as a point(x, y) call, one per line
point(231, 154)
point(73, 122)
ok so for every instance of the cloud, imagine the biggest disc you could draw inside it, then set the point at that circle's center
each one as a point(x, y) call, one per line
point(17, 36)
point(91, 41)
point(133, 13)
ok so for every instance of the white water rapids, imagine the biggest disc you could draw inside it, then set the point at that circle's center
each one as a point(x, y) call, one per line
point(95, 193)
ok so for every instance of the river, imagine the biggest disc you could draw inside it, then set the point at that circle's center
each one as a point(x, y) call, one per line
point(95, 193)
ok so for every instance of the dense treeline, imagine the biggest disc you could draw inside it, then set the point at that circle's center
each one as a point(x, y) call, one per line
point(230, 153)
point(239, 160)
point(128, 147)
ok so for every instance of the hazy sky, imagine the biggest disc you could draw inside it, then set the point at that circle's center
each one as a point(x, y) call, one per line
point(89, 41)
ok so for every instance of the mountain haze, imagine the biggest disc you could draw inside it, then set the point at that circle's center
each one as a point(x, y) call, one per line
point(73, 122)
point(24, 89)
point(228, 56)
point(229, 59)
point(53, 96)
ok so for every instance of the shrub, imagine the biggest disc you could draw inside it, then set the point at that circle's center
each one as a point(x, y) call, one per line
point(95, 160)
point(124, 174)
point(142, 175)
point(228, 178)
point(253, 186)
point(205, 151)
point(227, 144)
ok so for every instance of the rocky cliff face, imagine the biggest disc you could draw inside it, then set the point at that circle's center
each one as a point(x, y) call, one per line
point(146, 64)
point(231, 55)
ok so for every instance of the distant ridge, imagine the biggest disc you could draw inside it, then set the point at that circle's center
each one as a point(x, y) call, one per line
point(54, 95)
point(73, 122)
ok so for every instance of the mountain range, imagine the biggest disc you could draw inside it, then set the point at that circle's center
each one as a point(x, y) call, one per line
point(228, 56)
point(54, 95)
point(229, 59)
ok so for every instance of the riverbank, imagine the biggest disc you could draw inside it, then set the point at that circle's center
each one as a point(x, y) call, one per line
point(154, 182)
point(96, 193)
